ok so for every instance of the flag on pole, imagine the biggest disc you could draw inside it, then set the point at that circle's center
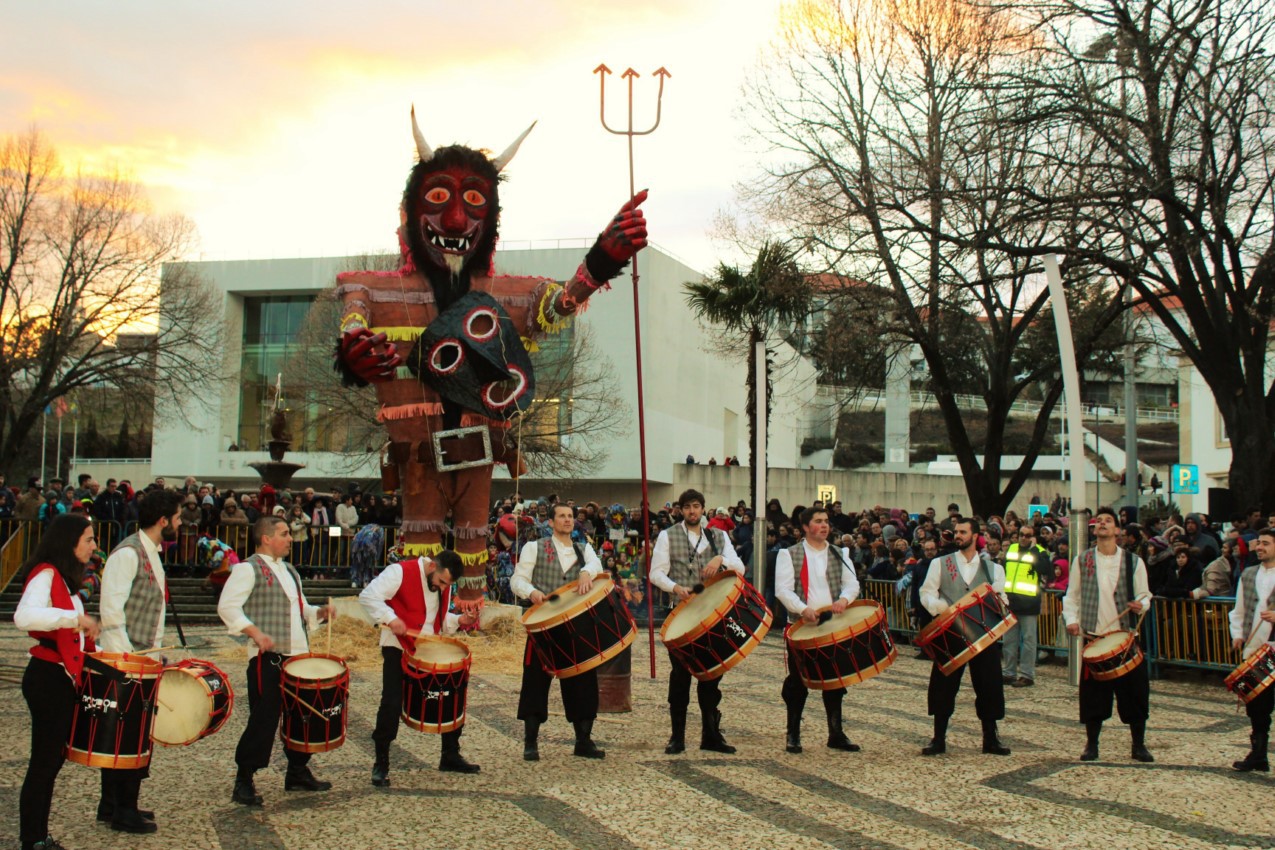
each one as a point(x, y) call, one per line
point(60, 407)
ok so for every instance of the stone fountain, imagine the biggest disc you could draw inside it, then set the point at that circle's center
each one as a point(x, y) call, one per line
point(277, 472)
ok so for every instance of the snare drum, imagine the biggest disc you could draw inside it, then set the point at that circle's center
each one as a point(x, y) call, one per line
point(572, 634)
point(972, 624)
point(316, 693)
point(849, 648)
point(1254, 674)
point(111, 726)
point(715, 629)
point(436, 684)
point(195, 700)
point(1112, 655)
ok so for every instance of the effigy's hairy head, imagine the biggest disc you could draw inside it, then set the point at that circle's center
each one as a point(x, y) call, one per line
point(451, 206)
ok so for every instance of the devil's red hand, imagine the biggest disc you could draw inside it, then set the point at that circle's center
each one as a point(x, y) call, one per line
point(368, 355)
point(625, 235)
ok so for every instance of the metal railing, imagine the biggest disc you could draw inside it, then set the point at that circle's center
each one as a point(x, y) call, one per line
point(1178, 632)
point(14, 535)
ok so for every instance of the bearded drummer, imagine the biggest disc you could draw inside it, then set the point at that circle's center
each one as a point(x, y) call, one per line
point(1108, 588)
point(412, 595)
point(264, 600)
point(948, 579)
point(543, 566)
point(1251, 627)
point(133, 609)
point(809, 577)
point(685, 555)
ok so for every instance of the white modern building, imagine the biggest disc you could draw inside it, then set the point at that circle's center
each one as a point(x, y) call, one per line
point(695, 399)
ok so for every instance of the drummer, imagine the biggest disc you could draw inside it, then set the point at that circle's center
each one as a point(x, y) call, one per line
point(264, 600)
point(824, 579)
point(133, 609)
point(1108, 586)
point(51, 611)
point(685, 555)
point(1251, 620)
point(948, 579)
point(543, 566)
point(412, 596)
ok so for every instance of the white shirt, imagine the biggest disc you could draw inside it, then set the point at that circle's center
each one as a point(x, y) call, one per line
point(934, 601)
point(520, 581)
point(36, 613)
point(381, 590)
point(699, 542)
point(1241, 620)
point(819, 595)
point(1108, 570)
point(117, 582)
point(239, 587)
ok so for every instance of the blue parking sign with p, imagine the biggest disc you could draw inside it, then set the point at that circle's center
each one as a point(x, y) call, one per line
point(1185, 479)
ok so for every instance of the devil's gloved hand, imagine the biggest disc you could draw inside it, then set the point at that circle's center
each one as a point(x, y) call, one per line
point(363, 357)
point(623, 237)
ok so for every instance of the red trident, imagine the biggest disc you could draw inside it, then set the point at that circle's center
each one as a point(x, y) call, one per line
point(629, 74)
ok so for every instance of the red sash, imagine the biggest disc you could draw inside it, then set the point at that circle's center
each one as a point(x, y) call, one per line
point(68, 650)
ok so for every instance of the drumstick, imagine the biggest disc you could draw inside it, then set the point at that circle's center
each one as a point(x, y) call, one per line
point(156, 649)
point(1116, 621)
point(408, 633)
point(331, 617)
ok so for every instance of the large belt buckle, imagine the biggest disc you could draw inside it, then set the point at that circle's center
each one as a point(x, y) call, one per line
point(442, 465)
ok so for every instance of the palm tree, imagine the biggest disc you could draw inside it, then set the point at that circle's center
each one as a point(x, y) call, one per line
point(774, 295)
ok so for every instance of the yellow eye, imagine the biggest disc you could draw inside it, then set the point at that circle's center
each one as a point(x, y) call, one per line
point(474, 198)
point(438, 195)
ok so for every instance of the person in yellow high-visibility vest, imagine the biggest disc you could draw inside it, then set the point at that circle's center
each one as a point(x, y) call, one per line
point(1027, 566)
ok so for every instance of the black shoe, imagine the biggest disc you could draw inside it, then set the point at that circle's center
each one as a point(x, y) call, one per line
point(993, 747)
point(245, 793)
point(711, 738)
point(530, 752)
point(106, 815)
point(530, 736)
point(843, 743)
point(129, 820)
point(301, 779)
point(454, 762)
point(1024, 682)
point(1141, 753)
point(585, 748)
point(792, 742)
point(936, 747)
point(1256, 758)
point(675, 746)
point(1090, 753)
point(49, 843)
point(381, 775)
point(677, 741)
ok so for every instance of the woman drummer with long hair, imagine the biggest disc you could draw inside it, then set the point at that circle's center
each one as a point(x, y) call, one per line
point(51, 611)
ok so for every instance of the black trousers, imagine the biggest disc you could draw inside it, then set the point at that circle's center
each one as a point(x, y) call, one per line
point(265, 707)
point(120, 788)
point(795, 691)
point(707, 694)
point(1259, 711)
point(579, 693)
point(989, 689)
point(51, 696)
point(391, 710)
point(1132, 693)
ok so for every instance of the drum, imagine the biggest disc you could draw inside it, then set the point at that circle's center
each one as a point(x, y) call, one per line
point(972, 624)
point(436, 684)
point(715, 629)
point(111, 726)
point(848, 648)
point(195, 700)
point(572, 634)
point(316, 693)
point(1111, 656)
point(1254, 674)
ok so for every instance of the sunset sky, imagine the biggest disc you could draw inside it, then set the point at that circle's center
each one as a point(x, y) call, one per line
point(281, 128)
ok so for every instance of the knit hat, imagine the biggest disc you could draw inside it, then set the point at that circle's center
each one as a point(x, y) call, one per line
point(208, 500)
point(889, 532)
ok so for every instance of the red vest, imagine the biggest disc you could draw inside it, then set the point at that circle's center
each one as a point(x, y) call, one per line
point(409, 603)
point(68, 652)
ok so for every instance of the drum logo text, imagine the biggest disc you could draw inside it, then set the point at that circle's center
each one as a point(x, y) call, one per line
point(735, 628)
point(99, 704)
point(437, 694)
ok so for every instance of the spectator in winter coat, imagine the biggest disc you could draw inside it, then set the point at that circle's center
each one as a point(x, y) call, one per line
point(1217, 579)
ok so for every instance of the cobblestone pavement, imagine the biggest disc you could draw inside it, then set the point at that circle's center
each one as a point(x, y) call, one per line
point(886, 796)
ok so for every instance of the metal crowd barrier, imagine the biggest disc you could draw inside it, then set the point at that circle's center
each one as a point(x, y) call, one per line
point(1177, 632)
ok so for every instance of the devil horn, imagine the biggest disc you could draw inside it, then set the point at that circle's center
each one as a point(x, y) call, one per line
point(501, 161)
point(423, 150)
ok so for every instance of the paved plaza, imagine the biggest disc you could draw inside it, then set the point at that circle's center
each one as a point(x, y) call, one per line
point(886, 796)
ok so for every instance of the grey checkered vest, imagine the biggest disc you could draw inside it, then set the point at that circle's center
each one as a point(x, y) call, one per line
point(268, 606)
point(1248, 590)
point(1089, 589)
point(145, 601)
point(548, 576)
point(952, 585)
point(836, 558)
point(683, 565)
